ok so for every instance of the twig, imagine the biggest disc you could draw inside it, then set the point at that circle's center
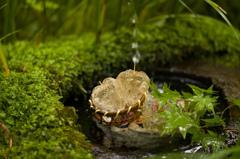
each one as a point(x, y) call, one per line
point(233, 136)
point(3, 6)
point(234, 131)
point(24, 69)
point(217, 108)
point(227, 108)
point(231, 128)
point(10, 141)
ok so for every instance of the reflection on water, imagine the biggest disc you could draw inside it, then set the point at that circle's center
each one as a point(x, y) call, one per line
point(95, 135)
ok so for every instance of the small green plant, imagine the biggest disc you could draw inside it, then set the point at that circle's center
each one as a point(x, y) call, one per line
point(187, 110)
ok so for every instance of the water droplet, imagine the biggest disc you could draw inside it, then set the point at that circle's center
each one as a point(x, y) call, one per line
point(134, 32)
point(134, 45)
point(134, 21)
point(136, 58)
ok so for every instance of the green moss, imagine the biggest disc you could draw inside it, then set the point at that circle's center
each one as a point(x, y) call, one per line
point(43, 75)
point(39, 123)
point(49, 143)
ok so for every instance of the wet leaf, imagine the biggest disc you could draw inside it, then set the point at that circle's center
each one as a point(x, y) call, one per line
point(234, 101)
point(177, 121)
point(211, 139)
point(203, 99)
point(222, 13)
point(170, 97)
point(216, 121)
point(214, 140)
point(201, 90)
point(186, 95)
point(197, 134)
point(167, 97)
point(203, 103)
point(155, 93)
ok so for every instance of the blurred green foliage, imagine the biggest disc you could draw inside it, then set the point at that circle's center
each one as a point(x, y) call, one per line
point(232, 153)
point(42, 18)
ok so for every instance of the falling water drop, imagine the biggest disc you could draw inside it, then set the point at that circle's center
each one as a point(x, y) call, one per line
point(136, 55)
point(136, 58)
point(134, 23)
point(134, 45)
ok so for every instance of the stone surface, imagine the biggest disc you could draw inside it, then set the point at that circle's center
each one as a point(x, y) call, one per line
point(135, 136)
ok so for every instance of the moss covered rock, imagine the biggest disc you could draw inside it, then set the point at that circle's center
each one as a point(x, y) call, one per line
point(40, 124)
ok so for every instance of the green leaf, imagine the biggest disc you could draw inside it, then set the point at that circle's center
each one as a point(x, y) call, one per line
point(186, 95)
point(167, 97)
point(165, 115)
point(216, 121)
point(234, 101)
point(177, 121)
point(197, 134)
point(172, 94)
point(155, 93)
point(208, 91)
point(202, 102)
point(214, 140)
point(186, 6)
point(3, 6)
point(212, 134)
point(14, 32)
point(216, 7)
point(206, 140)
point(170, 97)
point(203, 99)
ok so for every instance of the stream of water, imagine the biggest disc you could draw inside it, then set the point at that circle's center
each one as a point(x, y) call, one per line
point(136, 56)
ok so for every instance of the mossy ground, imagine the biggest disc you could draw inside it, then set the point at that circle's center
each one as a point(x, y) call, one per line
point(43, 75)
